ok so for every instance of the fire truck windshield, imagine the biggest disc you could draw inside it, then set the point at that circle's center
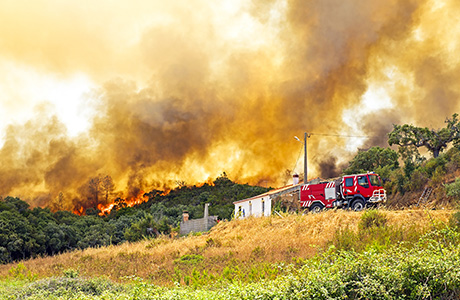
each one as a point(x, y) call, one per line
point(375, 180)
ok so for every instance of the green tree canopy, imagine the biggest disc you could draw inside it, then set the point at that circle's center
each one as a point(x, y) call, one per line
point(372, 159)
point(409, 137)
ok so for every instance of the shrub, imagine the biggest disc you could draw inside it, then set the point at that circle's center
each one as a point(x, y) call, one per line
point(399, 182)
point(71, 273)
point(438, 176)
point(418, 180)
point(210, 242)
point(68, 288)
point(345, 239)
point(434, 164)
point(372, 218)
point(454, 220)
point(453, 156)
point(21, 272)
point(453, 189)
point(189, 259)
point(145, 228)
point(373, 234)
point(258, 253)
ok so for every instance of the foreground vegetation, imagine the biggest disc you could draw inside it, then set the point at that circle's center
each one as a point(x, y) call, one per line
point(373, 255)
point(425, 271)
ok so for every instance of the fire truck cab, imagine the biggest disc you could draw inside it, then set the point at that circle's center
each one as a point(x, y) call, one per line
point(350, 191)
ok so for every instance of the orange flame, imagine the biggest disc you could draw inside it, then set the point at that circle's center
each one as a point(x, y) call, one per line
point(79, 211)
point(129, 202)
point(208, 182)
point(165, 192)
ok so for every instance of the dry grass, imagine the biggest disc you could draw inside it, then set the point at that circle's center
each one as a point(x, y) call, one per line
point(242, 243)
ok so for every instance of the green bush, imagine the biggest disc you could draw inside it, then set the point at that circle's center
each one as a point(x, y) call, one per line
point(454, 220)
point(71, 273)
point(189, 259)
point(373, 234)
point(67, 288)
point(21, 272)
point(453, 157)
point(372, 218)
point(345, 239)
point(438, 176)
point(434, 164)
point(398, 182)
point(453, 189)
point(418, 180)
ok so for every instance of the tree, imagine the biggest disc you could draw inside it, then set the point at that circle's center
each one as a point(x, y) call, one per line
point(107, 187)
point(16, 204)
point(96, 236)
point(100, 186)
point(222, 180)
point(145, 227)
point(58, 202)
point(55, 238)
point(94, 189)
point(409, 137)
point(372, 159)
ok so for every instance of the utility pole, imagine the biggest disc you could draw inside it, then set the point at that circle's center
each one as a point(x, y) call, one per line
point(305, 166)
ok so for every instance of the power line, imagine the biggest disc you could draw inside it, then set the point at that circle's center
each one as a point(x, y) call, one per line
point(332, 135)
point(298, 157)
point(350, 136)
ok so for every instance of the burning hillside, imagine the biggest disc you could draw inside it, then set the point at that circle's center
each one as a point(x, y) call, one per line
point(182, 97)
point(117, 204)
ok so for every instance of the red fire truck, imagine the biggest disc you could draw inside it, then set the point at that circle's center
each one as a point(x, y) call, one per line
point(350, 191)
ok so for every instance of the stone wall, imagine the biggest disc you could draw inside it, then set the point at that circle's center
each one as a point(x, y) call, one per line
point(197, 225)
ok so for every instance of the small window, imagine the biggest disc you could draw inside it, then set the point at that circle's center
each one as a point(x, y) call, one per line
point(375, 180)
point(263, 207)
point(250, 208)
point(348, 182)
point(362, 181)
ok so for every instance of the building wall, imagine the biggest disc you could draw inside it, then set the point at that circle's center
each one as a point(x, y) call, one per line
point(256, 207)
point(197, 225)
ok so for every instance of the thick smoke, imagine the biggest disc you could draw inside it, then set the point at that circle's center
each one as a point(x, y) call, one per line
point(329, 168)
point(187, 99)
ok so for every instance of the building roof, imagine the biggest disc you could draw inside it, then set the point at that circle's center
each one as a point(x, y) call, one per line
point(284, 189)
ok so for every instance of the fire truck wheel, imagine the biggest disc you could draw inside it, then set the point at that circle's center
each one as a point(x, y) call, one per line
point(316, 208)
point(357, 205)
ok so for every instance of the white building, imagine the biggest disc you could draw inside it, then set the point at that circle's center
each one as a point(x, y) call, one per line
point(257, 206)
point(261, 205)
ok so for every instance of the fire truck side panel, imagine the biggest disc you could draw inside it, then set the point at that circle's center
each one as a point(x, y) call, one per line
point(330, 193)
point(323, 193)
point(313, 192)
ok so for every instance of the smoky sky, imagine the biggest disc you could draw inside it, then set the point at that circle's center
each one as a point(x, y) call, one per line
point(183, 98)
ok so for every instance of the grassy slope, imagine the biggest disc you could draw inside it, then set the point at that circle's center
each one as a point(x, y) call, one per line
point(244, 245)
